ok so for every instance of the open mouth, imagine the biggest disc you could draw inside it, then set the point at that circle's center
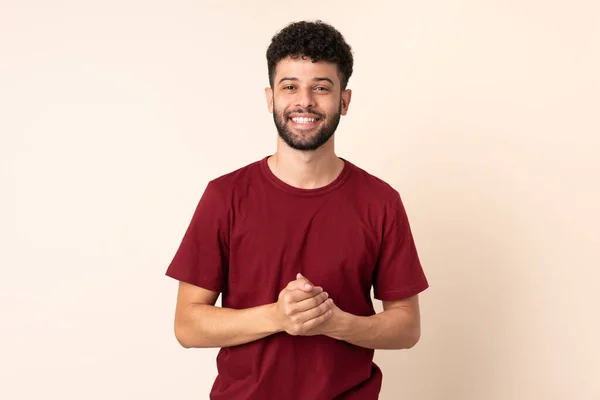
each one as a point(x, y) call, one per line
point(305, 121)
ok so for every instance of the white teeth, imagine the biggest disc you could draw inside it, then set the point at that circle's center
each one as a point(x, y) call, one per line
point(299, 120)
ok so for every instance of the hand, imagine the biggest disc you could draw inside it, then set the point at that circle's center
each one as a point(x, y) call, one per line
point(332, 326)
point(301, 306)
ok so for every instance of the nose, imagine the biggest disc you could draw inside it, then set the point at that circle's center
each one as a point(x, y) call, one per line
point(305, 98)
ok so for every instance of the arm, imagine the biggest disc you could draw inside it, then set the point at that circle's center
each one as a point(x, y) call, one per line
point(398, 270)
point(397, 327)
point(199, 323)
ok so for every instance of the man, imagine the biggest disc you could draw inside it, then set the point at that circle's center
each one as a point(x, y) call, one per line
point(295, 242)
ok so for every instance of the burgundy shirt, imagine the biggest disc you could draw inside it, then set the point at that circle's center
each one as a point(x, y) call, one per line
point(250, 235)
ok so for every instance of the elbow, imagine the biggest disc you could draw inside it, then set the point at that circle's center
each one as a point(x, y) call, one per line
point(184, 343)
point(191, 332)
point(411, 339)
point(182, 336)
point(412, 342)
point(189, 337)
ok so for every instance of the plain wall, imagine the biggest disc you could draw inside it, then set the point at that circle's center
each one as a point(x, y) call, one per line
point(484, 115)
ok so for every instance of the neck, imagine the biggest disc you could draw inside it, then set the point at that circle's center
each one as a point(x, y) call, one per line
point(306, 169)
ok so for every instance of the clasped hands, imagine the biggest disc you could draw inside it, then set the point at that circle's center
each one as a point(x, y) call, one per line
point(303, 309)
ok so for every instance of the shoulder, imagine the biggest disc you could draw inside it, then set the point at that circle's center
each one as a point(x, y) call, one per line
point(230, 182)
point(373, 187)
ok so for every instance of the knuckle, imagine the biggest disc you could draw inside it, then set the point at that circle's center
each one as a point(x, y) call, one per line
point(296, 330)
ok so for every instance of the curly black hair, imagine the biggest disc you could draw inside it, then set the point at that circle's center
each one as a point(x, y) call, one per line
point(315, 40)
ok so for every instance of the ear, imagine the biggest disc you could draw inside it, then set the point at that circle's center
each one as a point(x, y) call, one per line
point(269, 96)
point(346, 97)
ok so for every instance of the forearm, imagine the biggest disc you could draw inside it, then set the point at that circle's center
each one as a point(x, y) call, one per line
point(396, 328)
point(203, 325)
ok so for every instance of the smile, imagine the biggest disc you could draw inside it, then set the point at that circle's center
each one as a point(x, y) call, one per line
point(302, 120)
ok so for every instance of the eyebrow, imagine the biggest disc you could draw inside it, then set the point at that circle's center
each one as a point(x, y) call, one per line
point(317, 79)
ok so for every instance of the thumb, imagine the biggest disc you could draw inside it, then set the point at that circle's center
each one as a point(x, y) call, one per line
point(308, 285)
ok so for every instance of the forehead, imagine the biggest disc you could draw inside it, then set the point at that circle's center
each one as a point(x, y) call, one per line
point(305, 69)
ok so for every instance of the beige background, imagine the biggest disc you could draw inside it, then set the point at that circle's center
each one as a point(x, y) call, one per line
point(484, 115)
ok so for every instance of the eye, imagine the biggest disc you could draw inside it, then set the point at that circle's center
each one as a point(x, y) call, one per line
point(288, 87)
point(322, 88)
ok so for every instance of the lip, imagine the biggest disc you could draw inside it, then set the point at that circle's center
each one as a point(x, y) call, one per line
point(304, 125)
point(304, 115)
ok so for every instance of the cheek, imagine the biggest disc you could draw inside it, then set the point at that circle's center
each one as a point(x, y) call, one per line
point(279, 107)
point(279, 113)
point(335, 108)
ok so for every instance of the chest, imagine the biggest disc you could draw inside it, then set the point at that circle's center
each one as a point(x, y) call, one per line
point(335, 244)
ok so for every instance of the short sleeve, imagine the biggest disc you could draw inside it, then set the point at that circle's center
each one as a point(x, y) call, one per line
point(203, 256)
point(398, 273)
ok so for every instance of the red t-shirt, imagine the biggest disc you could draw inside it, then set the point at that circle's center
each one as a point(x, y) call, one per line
point(250, 235)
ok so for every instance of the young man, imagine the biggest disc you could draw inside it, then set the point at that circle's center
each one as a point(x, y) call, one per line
point(295, 242)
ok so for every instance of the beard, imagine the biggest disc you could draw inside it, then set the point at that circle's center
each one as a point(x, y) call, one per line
point(312, 140)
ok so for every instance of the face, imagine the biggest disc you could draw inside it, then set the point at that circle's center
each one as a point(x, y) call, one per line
point(307, 102)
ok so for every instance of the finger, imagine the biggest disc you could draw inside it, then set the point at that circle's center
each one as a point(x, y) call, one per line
point(311, 302)
point(318, 320)
point(300, 276)
point(313, 313)
point(300, 284)
point(296, 296)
